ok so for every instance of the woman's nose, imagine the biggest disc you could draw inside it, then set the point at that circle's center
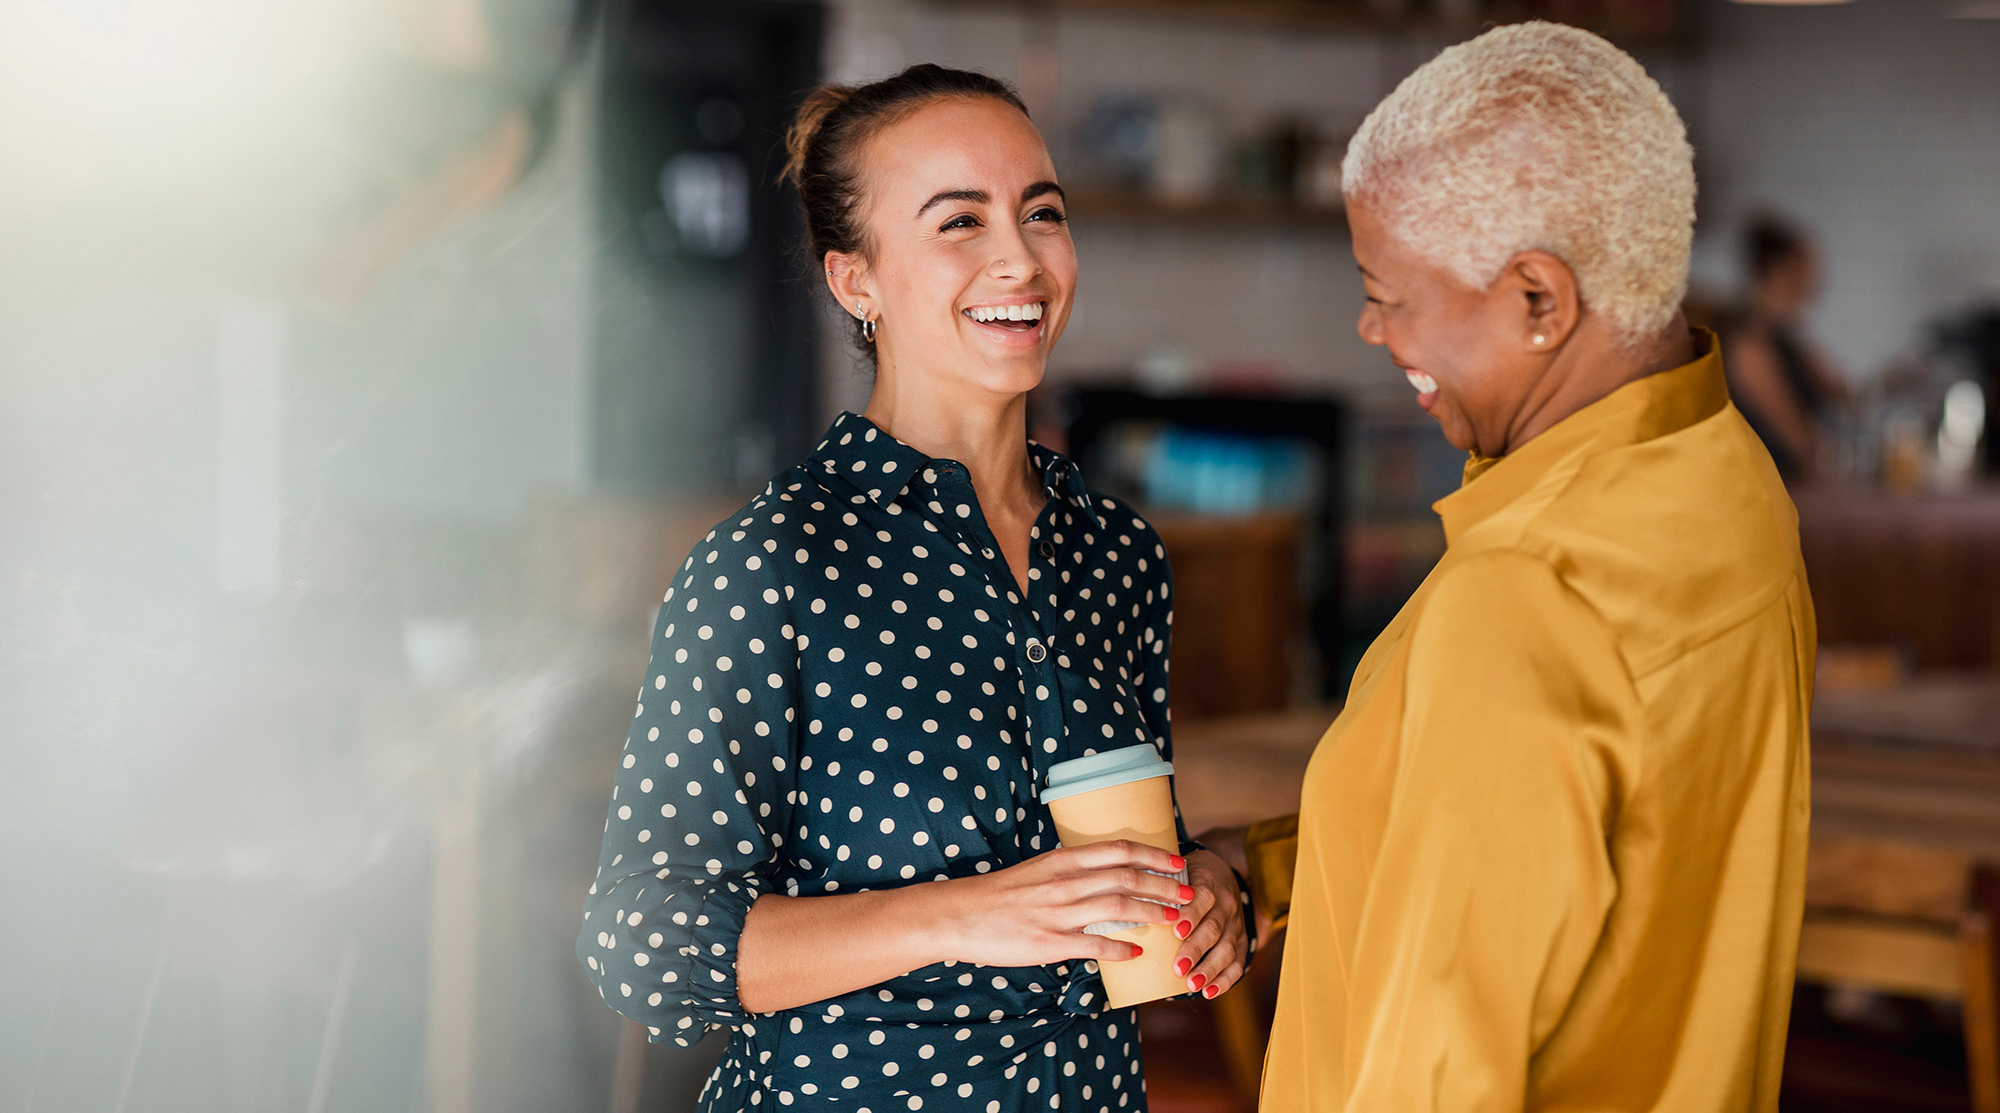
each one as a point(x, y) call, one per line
point(1015, 261)
point(1370, 325)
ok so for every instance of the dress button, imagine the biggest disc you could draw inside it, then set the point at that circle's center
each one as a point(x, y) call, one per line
point(1036, 653)
point(1048, 550)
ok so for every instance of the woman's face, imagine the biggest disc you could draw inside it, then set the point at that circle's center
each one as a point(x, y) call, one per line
point(968, 266)
point(1789, 288)
point(1460, 348)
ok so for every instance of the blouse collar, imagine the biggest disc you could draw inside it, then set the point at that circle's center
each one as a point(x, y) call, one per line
point(1637, 412)
point(881, 467)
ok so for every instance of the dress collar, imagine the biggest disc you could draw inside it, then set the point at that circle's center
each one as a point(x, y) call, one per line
point(880, 467)
point(1639, 411)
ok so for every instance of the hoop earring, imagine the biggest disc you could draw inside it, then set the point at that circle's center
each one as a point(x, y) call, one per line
point(868, 330)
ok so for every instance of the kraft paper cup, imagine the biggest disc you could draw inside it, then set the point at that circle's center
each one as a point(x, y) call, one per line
point(1123, 794)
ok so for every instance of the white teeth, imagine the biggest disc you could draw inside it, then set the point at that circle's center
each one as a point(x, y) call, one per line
point(1424, 383)
point(1032, 312)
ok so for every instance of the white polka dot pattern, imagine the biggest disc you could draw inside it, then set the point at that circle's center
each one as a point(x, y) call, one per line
point(848, 692)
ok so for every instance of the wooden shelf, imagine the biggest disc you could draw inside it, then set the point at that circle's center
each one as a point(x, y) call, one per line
point(1330, 16)
point(1124, 206)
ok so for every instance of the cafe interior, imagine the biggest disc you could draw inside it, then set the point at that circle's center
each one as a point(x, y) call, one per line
point(367, 369)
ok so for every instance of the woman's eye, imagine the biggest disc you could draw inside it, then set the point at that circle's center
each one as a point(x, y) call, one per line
point(1048, 214)
point(966, 220)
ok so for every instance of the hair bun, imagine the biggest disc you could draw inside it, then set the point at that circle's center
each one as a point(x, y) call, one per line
point(812, 113)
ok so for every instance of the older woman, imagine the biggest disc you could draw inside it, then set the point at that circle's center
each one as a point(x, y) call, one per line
point(1550, 855)
point(826, 834)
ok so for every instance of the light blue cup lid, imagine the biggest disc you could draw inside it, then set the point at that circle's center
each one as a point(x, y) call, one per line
point(1105, 770)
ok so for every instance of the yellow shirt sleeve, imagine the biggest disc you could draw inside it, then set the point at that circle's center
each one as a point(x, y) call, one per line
point(1271, 848)
point(1493, 878)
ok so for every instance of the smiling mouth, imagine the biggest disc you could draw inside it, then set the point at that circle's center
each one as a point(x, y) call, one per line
point(1423, 383)
point(1010, 318)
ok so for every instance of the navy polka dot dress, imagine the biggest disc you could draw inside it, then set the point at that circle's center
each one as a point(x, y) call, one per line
point(849, 692)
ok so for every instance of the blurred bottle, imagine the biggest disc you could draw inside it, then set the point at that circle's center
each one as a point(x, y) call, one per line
point(1187, 160)
point(1905, 452)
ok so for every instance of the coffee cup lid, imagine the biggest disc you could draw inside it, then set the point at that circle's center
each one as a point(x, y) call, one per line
point(1105, 770)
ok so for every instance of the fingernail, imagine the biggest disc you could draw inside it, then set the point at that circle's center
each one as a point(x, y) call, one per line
point(1199, 980)
point(1211, 991)
point(1172, 913)
point(1187, 893)
point(1182, 967)
point(1137, 950)
point(1184, 929)
point(1180, 863)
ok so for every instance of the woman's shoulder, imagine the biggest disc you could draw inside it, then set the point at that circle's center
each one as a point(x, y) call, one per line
point(1125, 526)
point(781, 518)
point(1124, 538)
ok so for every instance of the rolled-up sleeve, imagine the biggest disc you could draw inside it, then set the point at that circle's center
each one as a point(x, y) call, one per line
point(700, 805)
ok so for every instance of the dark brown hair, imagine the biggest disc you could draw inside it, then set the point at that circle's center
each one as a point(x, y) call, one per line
point(826, 137)
point(1769, 242)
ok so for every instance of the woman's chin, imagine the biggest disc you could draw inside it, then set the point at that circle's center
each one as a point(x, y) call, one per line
point(1014, 372)
point(1456, 431)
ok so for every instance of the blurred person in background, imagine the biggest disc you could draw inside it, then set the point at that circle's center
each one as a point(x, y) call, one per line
point(825, 834)
point(1551, 854)
point(1785, 386)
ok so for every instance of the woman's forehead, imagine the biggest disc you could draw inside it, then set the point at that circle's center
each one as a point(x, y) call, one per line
point(982, 144)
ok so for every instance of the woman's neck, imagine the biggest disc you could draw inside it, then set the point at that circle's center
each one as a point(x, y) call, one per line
point(1591, 366)
point(989, 435)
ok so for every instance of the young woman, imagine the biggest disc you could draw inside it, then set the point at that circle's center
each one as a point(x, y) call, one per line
point(1785, 386)
point(826, 833)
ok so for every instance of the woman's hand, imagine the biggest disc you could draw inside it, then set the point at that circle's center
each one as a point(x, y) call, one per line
point(1216, 944)
point(1034, 914)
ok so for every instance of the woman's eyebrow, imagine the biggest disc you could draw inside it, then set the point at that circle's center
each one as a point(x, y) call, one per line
point(1040, 188)
point(981, 197)
point(974, 196)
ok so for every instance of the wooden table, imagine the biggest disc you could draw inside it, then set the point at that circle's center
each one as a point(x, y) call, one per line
point(1235, 771)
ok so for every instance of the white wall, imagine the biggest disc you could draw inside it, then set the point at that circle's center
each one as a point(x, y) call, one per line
point(1876, 123)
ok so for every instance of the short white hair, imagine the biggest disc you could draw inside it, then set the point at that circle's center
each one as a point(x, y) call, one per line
point(1537, 136)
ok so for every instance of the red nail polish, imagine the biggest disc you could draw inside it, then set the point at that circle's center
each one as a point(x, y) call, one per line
point(1184, 929)
point(1200, 980)
point(1180, 863)
point(1211, 991)
point(1187, 893)
point(1137, 950)
point(1173, 914)
point(1183, 966)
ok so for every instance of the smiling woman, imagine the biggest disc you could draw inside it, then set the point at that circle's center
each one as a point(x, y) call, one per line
point(827, 833)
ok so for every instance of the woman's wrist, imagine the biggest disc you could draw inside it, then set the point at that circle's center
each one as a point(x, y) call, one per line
point(947, 913)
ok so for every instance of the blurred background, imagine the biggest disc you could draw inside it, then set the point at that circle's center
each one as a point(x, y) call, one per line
point(365, 366)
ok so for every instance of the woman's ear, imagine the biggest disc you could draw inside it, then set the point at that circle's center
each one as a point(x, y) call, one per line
point(847, 276)
point(1550, 302)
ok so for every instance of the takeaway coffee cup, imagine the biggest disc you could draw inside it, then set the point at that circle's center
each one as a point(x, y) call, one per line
point(1123, 794)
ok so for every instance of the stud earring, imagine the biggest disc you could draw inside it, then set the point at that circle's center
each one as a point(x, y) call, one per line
point(1540, 340)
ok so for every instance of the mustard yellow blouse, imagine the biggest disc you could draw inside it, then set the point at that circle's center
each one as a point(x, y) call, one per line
point(1551, 855)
